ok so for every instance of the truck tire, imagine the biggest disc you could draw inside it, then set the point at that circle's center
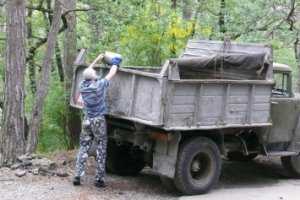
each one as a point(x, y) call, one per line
point(198, 166)
point(292, 165)
point(240, 157)
point(124, 160)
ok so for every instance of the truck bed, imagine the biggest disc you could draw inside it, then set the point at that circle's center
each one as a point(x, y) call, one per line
point(162, 98)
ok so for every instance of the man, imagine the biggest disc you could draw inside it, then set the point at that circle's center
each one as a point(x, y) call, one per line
point(93, 92)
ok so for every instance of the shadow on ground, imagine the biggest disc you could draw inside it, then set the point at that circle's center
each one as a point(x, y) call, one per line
point(261, 172)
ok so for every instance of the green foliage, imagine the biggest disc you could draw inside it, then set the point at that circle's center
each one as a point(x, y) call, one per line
point(149, 32)
point(52, 135)
point(155, 35)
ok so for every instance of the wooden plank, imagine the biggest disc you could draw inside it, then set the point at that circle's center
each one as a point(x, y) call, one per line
point(163, 84)
point(182, 109)
point(184, 89)
point(225, 103)
point(238, 100)
point(183, 100)
point(261, 99)
point(215, 126)
point(133, 95)
point(232, 108)
point(197, 102)
point(250, 104)
point(224, 81)
point(261, 107)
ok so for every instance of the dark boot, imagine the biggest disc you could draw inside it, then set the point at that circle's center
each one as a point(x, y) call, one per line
point(100, 184)
point(76, 180)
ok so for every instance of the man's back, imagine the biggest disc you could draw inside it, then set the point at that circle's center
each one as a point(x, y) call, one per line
point(93, 93)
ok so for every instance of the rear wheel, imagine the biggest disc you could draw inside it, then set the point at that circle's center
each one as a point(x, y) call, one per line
point(124, 159)
point(292, 165)
point(198, 166)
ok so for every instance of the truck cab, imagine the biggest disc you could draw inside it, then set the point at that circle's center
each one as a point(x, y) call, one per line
point(283, 81)
point(283, 138)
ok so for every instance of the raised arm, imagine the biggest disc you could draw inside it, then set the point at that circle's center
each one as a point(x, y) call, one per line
point(112, 72)
point(100, 57)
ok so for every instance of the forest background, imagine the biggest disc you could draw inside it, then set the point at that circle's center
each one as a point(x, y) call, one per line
point(146, 33)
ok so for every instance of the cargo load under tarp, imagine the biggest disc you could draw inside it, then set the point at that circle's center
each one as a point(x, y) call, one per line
point(218, 60)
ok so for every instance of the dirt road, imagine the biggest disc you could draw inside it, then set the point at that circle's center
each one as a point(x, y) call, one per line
point(259, 180)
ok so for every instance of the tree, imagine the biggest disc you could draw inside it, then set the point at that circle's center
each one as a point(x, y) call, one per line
point(43, 83)
point(222, 25)
point(12, 142)
point(73, 118)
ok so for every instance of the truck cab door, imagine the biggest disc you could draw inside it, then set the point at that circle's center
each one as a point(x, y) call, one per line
point(284, 114)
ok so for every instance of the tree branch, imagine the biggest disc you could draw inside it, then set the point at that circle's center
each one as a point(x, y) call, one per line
point(45, 10)
point(79, 10)
point(39, 8)
point(42, 41)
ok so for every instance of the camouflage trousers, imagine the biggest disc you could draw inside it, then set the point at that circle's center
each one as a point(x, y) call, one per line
point(93, 130)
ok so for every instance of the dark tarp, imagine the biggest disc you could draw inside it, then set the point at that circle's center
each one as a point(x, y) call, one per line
point(229, 66)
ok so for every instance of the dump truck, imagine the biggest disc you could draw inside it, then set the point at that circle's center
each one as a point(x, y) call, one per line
point(218, 100)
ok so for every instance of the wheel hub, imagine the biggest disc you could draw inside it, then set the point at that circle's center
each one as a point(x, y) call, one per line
point(200, 166)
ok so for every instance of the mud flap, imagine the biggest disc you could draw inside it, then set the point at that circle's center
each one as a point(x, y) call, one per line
point(165, 155)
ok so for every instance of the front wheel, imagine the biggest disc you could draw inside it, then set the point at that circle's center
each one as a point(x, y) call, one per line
point(198, 166)
point(292, 165)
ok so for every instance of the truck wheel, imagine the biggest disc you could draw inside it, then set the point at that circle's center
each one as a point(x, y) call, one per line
point(292, 165)
point(168, 183)
point(240, 157)
point(124, 160)
point(198, 166)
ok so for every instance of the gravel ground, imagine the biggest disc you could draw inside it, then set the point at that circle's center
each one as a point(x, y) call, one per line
point(259, 180)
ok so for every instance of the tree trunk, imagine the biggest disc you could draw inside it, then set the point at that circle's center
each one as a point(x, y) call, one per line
point(174, 4)
point(59, 63)
point(222, 25)
point(12, 142)
point(43, 84)
point(187, 11)
point(297, 56)
point(73, 118)
point(30, 62)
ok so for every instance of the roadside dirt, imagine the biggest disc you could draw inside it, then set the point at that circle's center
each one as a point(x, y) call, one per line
point(262, 179)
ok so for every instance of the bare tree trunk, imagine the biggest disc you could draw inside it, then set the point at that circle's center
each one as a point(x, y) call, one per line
point(222, 25)
point(12, 142)
point(174, 4)
point(59, 63)
point(30, 62)
point(73, 119)
point(297, 56)
point(187, 10)
point(43, 84)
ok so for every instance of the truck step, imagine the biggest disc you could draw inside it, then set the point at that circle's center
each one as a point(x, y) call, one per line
point(282, 153)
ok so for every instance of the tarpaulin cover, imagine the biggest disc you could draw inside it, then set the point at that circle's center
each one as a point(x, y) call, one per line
point(235, 66)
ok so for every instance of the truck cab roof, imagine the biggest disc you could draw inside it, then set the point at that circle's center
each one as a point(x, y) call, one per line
point(278, 67)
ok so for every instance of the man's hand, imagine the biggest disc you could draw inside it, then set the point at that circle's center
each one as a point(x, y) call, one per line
point(100, 57)
point(116, 61)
